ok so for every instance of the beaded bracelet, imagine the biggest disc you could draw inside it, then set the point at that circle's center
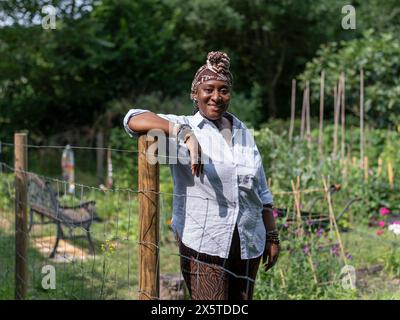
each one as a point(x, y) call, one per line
point(183, 131)
point(273, 236)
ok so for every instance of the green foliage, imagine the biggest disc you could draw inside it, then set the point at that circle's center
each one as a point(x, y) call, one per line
point(284, 161)
point(7, 191)
point(392, 261)
point(106, 51)
point(248, 110)
point(124, 162)
point(379, 56)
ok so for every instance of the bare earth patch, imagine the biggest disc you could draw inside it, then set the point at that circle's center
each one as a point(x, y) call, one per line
point(373, 279)
point(66, 252)
point(4, 224)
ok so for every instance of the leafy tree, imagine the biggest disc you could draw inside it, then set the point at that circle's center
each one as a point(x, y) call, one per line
point(379, 56)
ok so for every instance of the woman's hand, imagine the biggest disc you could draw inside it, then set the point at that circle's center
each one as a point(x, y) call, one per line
point(271, 254)
point(194, 148)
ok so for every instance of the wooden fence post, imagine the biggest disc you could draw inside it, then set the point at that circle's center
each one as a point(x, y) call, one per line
point(21, 230)
point(149, 221)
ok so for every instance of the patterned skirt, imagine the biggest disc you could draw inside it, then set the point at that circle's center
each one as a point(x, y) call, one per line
point(213, 278)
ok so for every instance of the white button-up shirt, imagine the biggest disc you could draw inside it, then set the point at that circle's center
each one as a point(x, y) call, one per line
point(231, 191)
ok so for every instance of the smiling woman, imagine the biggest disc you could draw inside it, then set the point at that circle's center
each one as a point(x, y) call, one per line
point(223, 222)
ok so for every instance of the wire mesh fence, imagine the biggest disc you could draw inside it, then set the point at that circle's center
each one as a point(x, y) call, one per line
point(87, 244)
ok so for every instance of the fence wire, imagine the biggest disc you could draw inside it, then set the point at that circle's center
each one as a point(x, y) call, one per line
point(97, 258)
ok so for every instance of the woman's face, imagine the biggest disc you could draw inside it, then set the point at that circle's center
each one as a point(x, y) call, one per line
point(213, 98)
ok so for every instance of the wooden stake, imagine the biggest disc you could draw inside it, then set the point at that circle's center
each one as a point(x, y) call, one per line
point(282, 278)
point(354, 161)
point(343, 113)
point(379, 172)
point(390, 174)
point(149, 222)
point(366, 168)
point(314, 273)
point(21, 229)
point(308, 124)
point(321, 113)
point(338, 93)
point(293, 109)
point(100, 157)
point(109, 182)
point(297, 199)
point(333, 219)
point(361, 116)
point(303, 113)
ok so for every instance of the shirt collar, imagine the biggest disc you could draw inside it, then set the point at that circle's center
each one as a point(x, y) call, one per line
point(198, 119)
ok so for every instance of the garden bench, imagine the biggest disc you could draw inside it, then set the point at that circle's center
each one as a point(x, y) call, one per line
point(43, 200)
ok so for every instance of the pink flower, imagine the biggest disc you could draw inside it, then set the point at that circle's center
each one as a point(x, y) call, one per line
point(275, 213)
point(384, 211)
point(395, 222)
point(381, 223)
point(379, 232)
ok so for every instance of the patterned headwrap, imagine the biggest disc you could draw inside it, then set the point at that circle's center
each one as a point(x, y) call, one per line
point(216, 68)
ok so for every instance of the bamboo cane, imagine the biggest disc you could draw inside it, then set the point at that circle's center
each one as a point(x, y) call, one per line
point(390, 174)
point(303, 113)
point(314, 273)
point(336, 117)
point(354, 161)
point(293, 109)
point(379, 172)
point(308, 124)
point(361, 116)
point(366, 168)
point(297, 200)
point(333, 219)
point(321, 113)
point(282, 278)
point(343, 113)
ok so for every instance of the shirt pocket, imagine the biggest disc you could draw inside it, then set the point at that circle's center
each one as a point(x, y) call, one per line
point(248, 194)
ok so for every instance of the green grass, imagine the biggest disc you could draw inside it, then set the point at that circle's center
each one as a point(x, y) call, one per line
point(107, 276)
point(112, 273)
point(377, 276)
point(376, 258)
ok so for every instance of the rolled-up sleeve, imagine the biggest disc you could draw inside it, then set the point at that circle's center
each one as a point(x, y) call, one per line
point(132, 113)
point(135, 112)
point(263, 190)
